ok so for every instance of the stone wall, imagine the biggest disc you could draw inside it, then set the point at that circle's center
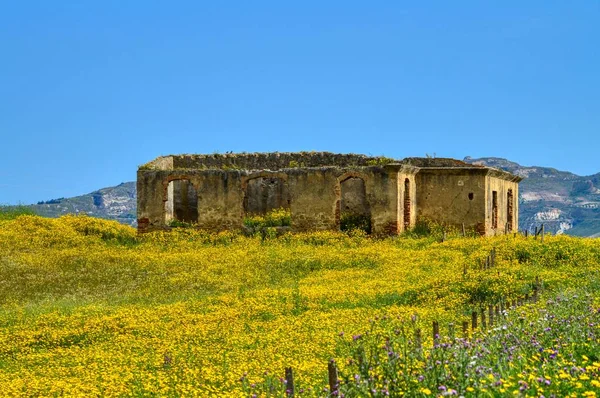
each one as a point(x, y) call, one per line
point(263, 194)
point(452, 196)
point(313, 195)
point(501, 187)
point(393, 195)
point(264, 161)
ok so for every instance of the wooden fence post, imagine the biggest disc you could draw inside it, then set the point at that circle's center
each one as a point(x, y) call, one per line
point(483, 324)
point(474, 320)
point(289, 382)
point(436, 331)
point(333, 378)
point(418, 340)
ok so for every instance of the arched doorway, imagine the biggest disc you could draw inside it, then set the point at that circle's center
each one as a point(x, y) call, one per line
point(264, 194)
point(182, 202)
point(355, 212)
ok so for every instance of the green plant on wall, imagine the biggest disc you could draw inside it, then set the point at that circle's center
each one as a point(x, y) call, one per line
point(380, 161)
point(296, 164)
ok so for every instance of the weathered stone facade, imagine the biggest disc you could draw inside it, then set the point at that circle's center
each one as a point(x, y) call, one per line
point(216, 192)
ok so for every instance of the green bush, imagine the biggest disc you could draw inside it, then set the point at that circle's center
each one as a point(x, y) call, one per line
point(275, 218)
point(12, 212)
point(351, 222)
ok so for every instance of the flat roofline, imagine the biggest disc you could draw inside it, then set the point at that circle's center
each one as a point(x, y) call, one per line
point(491, 171)
point(166, 162)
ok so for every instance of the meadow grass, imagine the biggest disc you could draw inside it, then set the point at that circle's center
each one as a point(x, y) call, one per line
point(12, 212)
point(88, 307)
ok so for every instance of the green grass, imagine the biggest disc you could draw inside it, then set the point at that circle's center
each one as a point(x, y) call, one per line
point(12, 212)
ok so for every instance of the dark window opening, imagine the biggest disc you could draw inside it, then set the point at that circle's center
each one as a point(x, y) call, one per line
point(470, 195)
point(265, 194)
point(355, 212)
point(494, 209)
point(182, 202)
point(406, 204)
point(509, 210)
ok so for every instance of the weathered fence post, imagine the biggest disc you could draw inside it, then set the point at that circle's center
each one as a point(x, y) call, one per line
point(474, 320)
point(418, 340)
point(333, 378)
point(527, 233)
point(436, 331)
point(289, 382)
point(536, 288)
point(483, 324)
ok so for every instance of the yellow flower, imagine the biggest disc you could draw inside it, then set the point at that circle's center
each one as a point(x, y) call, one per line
point(426, 391)
point(563, 375)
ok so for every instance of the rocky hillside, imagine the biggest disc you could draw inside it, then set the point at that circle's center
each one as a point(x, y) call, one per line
point(564, 202)
point(115, 203)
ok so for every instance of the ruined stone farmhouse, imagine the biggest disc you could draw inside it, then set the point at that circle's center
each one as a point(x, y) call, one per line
point(218, 191)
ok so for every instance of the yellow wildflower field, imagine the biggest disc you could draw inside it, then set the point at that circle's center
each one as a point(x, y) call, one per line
point(88, 308)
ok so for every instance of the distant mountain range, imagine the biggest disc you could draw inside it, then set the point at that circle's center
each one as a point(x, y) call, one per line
point(114, 203)
point(564, 202)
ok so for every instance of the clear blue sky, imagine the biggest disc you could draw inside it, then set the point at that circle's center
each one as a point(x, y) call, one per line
point(92, 89)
